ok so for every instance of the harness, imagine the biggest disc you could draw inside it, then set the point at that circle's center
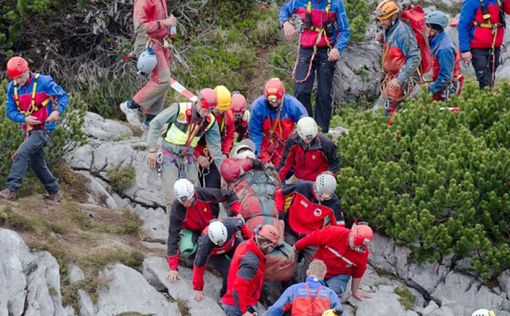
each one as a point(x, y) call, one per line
point(312, 298)
point(494, 30)
point(273, 137)
point(33, 107)
point(321, 32)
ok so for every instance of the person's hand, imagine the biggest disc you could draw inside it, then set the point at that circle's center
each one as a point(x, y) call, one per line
point(32, 120)
point(379, 37)
point(334, 54)
point(248, 314)
point(203, 162)
point(246, 116)
point(173, 275)
point(171, 20)
point(152, 159)
point(466, 57)
point(199, 295)
point(289, 30)
point(361, 295)
point(394, 84)
point(54, 116)
point(225, 157)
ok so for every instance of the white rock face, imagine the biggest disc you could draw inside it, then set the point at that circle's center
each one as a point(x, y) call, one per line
point(155, 270)
point(129, 292)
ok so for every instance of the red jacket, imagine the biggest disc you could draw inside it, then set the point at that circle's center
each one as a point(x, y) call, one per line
point(332, 242)
point(303, 213)
point(147, 13)
point(197, 217)
point(245, 277)
point(226, 126)
point(206, 248)
point(308, 160)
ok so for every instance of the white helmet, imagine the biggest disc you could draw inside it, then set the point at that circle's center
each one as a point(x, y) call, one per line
point(146, 61)
point(483, 312)
point(184, 190)
point(244, 149)
point(217, 233)
point(307, 128)
point(325, 186)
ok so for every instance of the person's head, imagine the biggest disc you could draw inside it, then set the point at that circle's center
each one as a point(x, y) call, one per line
point(307, 129)
point(239, 105)
point(224, 100)
point(17, 69)
point(386, 13)
point(359, 237)
point(317, 269)
point(184, 192)
point(483, 312)
point(436, 22)
point(206, 101)
point(267, 238)
point(274, 92)
point(243, 149)
point(217, 233)
point(325, 186)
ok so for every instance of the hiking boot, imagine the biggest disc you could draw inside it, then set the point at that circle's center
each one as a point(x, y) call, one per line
point(54, 197)
point(7, 194)
point(131, 114)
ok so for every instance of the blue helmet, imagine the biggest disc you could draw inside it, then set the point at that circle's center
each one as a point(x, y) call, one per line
point(437, 18)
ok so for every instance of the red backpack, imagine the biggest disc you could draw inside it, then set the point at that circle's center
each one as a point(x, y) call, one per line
point(414, 16)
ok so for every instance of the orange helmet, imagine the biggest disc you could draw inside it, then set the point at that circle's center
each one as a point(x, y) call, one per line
point(239, 103)
point(386, 9)
point(274, 90)
point(207, 98)
point(16, 66)
point(270, 233)
point(361, 235)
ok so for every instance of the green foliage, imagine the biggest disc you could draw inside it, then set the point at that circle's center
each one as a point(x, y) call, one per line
point(435, 181)
point(122, 178)
point(359, 17)
point(68, 134)
point(13, 220)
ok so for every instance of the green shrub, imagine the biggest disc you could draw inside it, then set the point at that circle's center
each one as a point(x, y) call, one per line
point(435, 181)
point(359, 17)
point(122, 178)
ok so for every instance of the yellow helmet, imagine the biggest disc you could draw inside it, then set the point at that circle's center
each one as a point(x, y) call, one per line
point(333, 312)
point(224, 98)
point(386, 9)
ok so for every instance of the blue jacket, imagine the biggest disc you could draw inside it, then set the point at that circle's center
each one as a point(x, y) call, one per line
point(443, 50)
point(402, 52)
point(262, 116)
point(471, 11)
point(300, 294)
point(341, 33)
point(46, 87)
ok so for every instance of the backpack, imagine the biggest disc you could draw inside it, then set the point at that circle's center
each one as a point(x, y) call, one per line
point(414, 16)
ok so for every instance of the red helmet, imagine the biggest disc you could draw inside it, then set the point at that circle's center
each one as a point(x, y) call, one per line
point(207, 98)
point(270, 233)
point(16, 66)
point(239, 104)
point(274, 89)
point(231, 170)
point(361, 235)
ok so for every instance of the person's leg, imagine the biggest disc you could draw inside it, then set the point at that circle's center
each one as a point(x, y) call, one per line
point(213, 178)
point(222, 264)
point(493, 65)
point(303, 90)
point(481, 64)
point(40, 167)
point(231, 310)
point(151, 97)
point(323, 104)
point(338, 283)
point(30, 145)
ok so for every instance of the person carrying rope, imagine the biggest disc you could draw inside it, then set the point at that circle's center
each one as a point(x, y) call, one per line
point(324, 37)
point(481, 32)
point(187, 123)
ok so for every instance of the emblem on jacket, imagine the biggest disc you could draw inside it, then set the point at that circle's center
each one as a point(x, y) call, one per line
point(317, 212)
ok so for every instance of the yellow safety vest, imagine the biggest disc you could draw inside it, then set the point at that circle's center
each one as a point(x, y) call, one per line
point(183, 131)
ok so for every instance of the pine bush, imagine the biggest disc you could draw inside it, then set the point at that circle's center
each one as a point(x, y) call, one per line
point(436, 181)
